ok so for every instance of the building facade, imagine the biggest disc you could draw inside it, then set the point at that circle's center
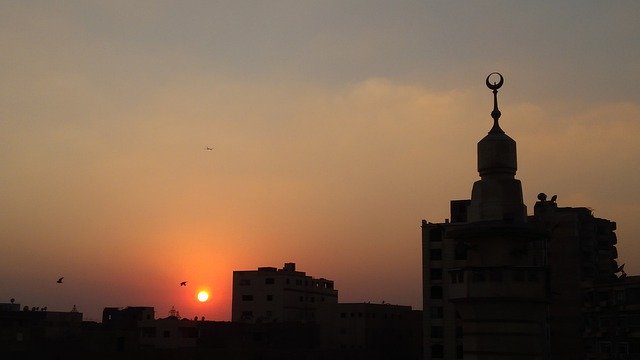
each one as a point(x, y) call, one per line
point(370, 331)
point(612, 320)
point(269, 294)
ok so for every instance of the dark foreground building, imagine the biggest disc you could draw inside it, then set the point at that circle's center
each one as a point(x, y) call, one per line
point(33, 333)
point(343, 331)
point(501, 284)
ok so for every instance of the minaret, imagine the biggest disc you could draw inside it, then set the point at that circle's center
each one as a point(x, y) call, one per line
point(497, 195)
point(500, 293)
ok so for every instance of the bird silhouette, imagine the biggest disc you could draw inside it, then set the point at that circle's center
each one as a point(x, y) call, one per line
point(60, 280)
point(184, 283)
point(209, 148)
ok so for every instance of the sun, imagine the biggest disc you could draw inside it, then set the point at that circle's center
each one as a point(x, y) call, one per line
point(203, 296)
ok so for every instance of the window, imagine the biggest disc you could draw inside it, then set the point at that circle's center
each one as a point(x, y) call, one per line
point(623, 348)
point(436, 312)
point(436, 292)
point(245, 282)
point(247, 315)
point(436, 274)
point(435, 235)
point(478, 276)
point(269, 297)
point(495, 275)
point(459, 332)
point(457, 276)
point(460, 251)
point(605, 347)
point(287, 281)
point(435, 254)
point(298, 282)
point(247, 297)
point(436, 332)
point(269, 281)
point(437, 351)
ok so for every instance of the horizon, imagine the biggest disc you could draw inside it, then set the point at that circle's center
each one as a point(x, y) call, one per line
point(335, 129)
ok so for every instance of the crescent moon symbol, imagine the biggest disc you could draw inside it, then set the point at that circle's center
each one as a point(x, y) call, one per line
point(495, 86)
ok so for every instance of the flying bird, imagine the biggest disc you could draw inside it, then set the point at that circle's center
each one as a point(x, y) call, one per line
point(184, 283)
point(209, 148)
point(60, 280)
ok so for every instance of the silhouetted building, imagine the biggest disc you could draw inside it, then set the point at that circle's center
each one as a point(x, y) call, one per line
point(581, 255)
point(499, 284)
point(370, 331)
point(279, 295)
point(37, 333)
point(122, 327)
point(128, 317)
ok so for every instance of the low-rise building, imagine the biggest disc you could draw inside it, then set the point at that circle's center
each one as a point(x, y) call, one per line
point(34, 332)
point(370, 331)
point(269, 294)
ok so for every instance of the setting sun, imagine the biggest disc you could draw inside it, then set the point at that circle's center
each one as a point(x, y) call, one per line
point(203, 296)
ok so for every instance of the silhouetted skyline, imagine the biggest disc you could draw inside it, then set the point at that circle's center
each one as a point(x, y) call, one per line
point(335, 128)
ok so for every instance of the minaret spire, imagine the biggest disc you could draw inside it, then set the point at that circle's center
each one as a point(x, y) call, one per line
point(495, 114)
point(497, 195)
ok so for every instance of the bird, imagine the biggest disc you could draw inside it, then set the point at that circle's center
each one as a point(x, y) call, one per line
point(554, 198)
point(209, 148)
point(60, 280)
point(184, 283)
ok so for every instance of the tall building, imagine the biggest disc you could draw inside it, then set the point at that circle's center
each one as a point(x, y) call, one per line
point(279, 295)
point(501, 284)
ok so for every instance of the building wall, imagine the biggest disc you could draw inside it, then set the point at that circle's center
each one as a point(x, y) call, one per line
point(579, 253)
point(371, 331)
point(442, 330)
point(612, 320)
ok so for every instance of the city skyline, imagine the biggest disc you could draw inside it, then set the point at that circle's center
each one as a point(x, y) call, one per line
point(335, 129)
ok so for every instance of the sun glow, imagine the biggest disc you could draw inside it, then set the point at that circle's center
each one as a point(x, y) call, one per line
point(203, 296)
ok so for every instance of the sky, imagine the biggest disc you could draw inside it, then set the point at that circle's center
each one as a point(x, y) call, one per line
point(337, 126)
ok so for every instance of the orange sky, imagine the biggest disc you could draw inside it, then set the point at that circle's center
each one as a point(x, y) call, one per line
point(337, 127)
